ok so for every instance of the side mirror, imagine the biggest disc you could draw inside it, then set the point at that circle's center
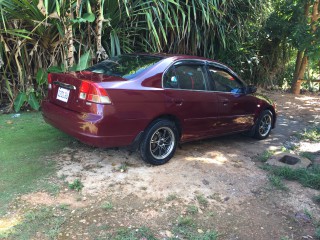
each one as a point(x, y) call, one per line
point(251, 89)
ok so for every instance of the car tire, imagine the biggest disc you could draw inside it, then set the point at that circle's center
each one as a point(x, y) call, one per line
point(263, 125)
point(159, 142)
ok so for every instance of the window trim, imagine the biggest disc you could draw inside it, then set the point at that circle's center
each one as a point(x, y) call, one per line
point(206, 65)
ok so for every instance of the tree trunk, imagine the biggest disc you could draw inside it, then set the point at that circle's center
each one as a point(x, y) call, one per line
point(69, 38)
point(78, 8)
point(302, 59)
point(297, 66)
point(295, 88)
point(101, 52)
point(315, 15)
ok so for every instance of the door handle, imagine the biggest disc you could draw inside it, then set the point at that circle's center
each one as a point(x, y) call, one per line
point(225, 103)
point(178, 102)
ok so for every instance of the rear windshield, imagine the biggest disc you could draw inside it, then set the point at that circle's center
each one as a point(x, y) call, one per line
point(125, 66)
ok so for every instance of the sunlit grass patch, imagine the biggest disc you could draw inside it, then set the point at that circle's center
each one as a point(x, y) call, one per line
point(312, 134)
point(7, 224)
point(44, 220)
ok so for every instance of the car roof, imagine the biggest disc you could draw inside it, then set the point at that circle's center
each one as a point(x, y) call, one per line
point(177, 57)
point(174, 56)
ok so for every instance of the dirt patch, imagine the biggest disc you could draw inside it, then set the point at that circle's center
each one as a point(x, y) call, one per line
point(42, 198)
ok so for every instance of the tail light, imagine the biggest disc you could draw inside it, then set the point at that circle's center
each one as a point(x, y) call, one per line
point(49, 81)
point(92, 92)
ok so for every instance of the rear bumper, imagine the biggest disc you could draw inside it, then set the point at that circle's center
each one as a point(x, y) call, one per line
point(83, 126)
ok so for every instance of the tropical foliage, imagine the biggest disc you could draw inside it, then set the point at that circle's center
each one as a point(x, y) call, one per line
point(41, 36)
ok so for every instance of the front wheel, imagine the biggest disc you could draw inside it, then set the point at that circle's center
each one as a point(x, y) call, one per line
point(263, 125)
point(159, 142)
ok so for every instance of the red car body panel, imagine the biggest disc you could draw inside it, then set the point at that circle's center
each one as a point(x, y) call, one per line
point(135, 103)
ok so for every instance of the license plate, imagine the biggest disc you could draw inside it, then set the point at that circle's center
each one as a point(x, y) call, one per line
point(63, 94)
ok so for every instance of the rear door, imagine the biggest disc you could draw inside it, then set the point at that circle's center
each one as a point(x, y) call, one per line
point(236, 109)
point(187, 97)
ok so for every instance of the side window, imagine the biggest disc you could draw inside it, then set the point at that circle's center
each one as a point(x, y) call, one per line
point(189, 77)
point(170, 79)
point(222, 81)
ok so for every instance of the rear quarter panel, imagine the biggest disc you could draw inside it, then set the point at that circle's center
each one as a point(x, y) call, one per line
point(133, 110)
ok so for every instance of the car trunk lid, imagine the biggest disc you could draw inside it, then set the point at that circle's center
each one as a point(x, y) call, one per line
point(78, 90)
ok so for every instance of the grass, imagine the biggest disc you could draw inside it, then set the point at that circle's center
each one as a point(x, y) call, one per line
point(123, 167)
point(64, 207)
point(171, 197)
point(190, 233)
point(134, 234)
point(185, 221)
point(277, 182)
point(307, 177)
point(43, 220)
point(317, 233)
point(192, 209)
point(107, 206)
point(76, 185)
point(309, 155)
point(187, 229)
point(202, 200)
point(263, 157)
point(312, 134)
point(308, 213)
point(316, 199)
point(25, 144)
point(99, 231)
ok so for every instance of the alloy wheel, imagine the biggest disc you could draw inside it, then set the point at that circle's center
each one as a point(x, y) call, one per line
point(265, 125)
point(162, 143)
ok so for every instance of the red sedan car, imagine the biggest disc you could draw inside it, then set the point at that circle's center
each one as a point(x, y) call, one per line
point(153, 102)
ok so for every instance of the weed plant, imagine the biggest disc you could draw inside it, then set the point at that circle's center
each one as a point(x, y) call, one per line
point(202, 200)
point(107, 206)
point(192, 209)
point(76, 185)
point(171, 197)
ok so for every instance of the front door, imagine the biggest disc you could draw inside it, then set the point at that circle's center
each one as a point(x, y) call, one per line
point(236, 109)
point(188, 98)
